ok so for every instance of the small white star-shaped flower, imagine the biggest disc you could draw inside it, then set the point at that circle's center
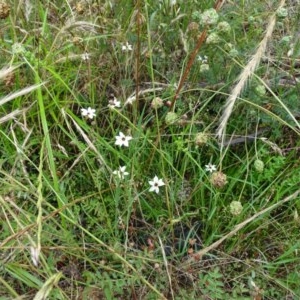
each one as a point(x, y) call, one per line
point(121, 173)
point(114, 103)
point(155, 183)
point(127, 47)
point(210, 168)
point(85, 56)
point(122, 139)
point(202, 59)
point(89, 112)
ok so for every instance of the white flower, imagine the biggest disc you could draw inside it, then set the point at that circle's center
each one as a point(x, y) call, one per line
point(89, 112)
point(210, 168)
point(155, 184)
point(122, 139)
point(35, 254)
point(203, 59)
point(114, 103)
point(85, 56)
point(121, 173)
point(127, 47)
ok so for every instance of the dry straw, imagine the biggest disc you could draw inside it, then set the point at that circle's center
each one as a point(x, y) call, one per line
point(246, 75)
point(20, 93)
point(7, 71)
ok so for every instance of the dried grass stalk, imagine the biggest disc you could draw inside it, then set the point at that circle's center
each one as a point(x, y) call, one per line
point(6, 71)
point(246, 75)
point(20, 93)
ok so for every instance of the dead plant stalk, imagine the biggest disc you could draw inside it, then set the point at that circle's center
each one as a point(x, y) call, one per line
point(246, 75)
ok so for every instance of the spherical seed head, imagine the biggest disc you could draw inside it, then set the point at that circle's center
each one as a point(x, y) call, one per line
point(157, 103)
point(204, 68)
point(223, 27)
point(4, 9)
point(193, 26)
point(236, 208)
point(260, 90)
point(218, 179)
point(209, 17)
point(171, 118)
point(213, 38)
point(201, 139)
point(193, 29)
point(259, 165)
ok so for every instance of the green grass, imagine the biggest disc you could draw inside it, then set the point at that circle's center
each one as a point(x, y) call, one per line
point(70, 228)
